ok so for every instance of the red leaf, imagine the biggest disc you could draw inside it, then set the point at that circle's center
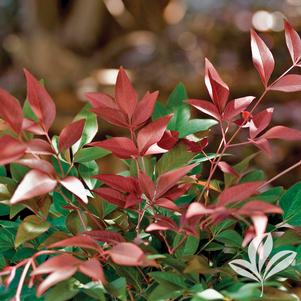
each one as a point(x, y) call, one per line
point(238, 192)
point(41, 165)
point(35, 183)
point(126, 253)
point(264, 145)
point(32, 127)
point(39, 147)
point(105, 236)
point(101, 100)
point(11, 149)
point(169, 179)
point(71, 134)
point(152, 133)
point(226, 168)
point(288, 83)
point(205, 107)
point(260, 121)
point(195, 210)
point(125, 94)
point(258, 207)
point(168, 140)
point(166, 203)
point(146, 184)
point(121, 147)
point(144, 108)
point(162, 223)
point(40, 101)
point(75, 186)
point(92, 269)
point(79, 241)
point(111, 195)
point(217, 88)
point(195, 147)
point(10, 110)
point(293, 42)
point(282, 132)
point(237, 106)
point(115, 117)
point(262, 57)
point(120, 183)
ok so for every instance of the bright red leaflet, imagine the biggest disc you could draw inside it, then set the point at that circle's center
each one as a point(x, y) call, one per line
point(238, 192)
point(293, 42)
point(71, 134)
point(11, 111)
point(11, 149)
point(35, 183)
point(262, 57)
point(40, 101)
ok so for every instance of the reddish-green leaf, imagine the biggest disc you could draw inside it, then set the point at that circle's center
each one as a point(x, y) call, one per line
point(71, 134)
point(10, 110)
point(35, 183)
point(40, 101)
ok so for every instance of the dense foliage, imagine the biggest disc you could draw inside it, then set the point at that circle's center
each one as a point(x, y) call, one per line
point(163, 229)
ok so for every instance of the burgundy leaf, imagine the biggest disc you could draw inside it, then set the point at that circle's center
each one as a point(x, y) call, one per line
point(105, 236)
point(92, 269)
point(226, 168)
point(75, 186)
point(126, 253)
point(120, 183)
point(168, 140)
point(282, 132)
point(195, 147)
point(238, 192)
point(125, 94)
point(11, 149)
point(39, 147)
point(167, 180)
point(35, 183)
point(166, 203)
point(121, 147)
point(144, 108)
point(260, 121)
point(41, 165)
point(113, 116)
point(79, 241)
point(152, 133)
point(113, 196)
point(205, 107)
point(264, 145)
point(293, 42)
point(146, 184)
point(262, 57)
point(10, 110)
point(40, 101)
point(288, 83)
point(101, 100)
point(71, 134)
point(237, 106)
point(217, 88)
point(258, 207)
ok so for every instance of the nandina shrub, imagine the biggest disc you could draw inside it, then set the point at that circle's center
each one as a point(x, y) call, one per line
point(164, 228)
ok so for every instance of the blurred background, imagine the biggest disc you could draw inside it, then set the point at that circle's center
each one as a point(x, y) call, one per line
point(77, 46)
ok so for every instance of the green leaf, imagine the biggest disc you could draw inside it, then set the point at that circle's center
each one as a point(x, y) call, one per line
point(30, 228)
point(229, 238)
point(28, 112)
point(18, 171)
point(159, 111)
point(194, 126)
point(90, 129)
point(290, 203)
point(89, 154)
point(169, 277)
point(165, 292)
point(74, 223)
point(63, 291)
point(188, 248)
point(118, 288)
point(254, 175)
point(94, 290)
point(2, 171)
point(175, 158)
point(86, 171)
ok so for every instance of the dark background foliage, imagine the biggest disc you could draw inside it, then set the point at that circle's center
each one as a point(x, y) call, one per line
point(77, 45)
